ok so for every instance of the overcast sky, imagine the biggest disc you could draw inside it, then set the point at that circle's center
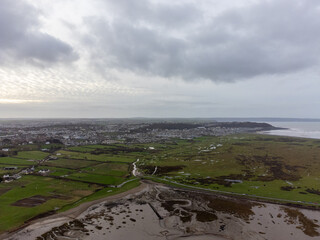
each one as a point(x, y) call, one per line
point(159, 58)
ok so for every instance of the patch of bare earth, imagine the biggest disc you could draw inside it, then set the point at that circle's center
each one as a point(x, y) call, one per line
point(4, 190)
point(36, 200)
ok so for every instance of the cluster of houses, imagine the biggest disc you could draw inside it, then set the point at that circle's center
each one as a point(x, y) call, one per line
point(11, 177)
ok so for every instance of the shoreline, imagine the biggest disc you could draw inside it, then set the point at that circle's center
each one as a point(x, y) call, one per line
point(293, 129)
point(71, 213)
point(237, 196)
point(48, 222)
point(272, 133)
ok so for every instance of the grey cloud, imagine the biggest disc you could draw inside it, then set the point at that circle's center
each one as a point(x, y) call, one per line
point(162, 14)
point(136, 48)
point(269, 37)
point(21, 39)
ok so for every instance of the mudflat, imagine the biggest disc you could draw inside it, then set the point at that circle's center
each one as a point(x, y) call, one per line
point(156, 211)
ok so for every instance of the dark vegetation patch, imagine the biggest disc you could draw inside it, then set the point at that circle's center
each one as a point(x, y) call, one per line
point(41, 215)
point(169, 205)
point(205, 216)
point(241, 144)
point(186, 219)
point(117, 150)
point(226, 180)
point(240, 208)
point(287, 188)
point(185, 216)
point(36, 200)
point(313, 191)
point(278, 169)
point(110, 205)
point(306, 225)
point(295, 144)
point(176, 207)
point(260, 148)
point(161, 170)
point(234, 207)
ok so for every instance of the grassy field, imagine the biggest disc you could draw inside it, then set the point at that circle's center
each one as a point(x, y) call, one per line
point(112, 169)
point(74, 177)
point(16, 161)
point(268, 166)
point(69, 163)
point(97, 157)
point(96, 178)
point(56, 171)
point(33, 155)
point(3, 171)
point(61, 193)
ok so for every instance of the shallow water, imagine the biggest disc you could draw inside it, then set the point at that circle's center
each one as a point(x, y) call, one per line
point(166, 213)
point(296, 129)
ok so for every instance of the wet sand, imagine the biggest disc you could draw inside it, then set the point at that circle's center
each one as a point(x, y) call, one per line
point(154, 211)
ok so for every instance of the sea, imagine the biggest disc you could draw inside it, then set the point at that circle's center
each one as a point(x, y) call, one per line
point(296, 129)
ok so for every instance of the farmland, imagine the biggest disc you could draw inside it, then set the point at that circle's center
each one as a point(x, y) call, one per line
point(71, 176)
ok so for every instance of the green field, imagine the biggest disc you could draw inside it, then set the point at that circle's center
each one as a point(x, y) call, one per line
point(96, 178)
point(69, 163)
point(56, 171)
point(112, 169)
point(97, 157)
point(268, 166)
point(28, 186)
point(34, 155)
point(74, 177)
point(3, 171)
point(16, 161)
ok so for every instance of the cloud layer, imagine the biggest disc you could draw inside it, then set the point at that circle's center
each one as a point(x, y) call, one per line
point(182, 40)
point(22, 39)
point(159, 58)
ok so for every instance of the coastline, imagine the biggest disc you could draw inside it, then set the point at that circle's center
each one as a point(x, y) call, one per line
point(70, 214)
point(74, 212)
point(151, 210)
point(40, 226)
point(309, 130)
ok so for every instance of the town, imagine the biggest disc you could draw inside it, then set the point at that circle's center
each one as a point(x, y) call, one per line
point(73, 132)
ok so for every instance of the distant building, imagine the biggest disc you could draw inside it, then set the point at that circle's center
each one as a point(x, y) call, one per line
point(10, 168)
point(43, 171)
